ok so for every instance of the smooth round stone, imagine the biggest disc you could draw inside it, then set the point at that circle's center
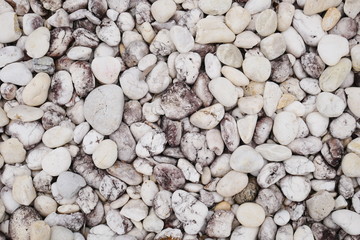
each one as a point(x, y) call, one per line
point(285, 127)
point(299, 165)
point(303, 232)
point(350, 165)
point(229, 55)
point(232, 183)
point(57, 136)
point(251, 104)
point(135, 209)
point(10, 29)
point(133, 84)
point(348, 220)
point(310, 85)
point(246, 127)
point(12, 150)
point(208, 118)
point(223, 91)
point(295, 188)
point(256, 68)
point(255, 6)
point(38, 42)
point(36, 91)
point(213, 30)
point(250, 214)
point(69, 184)
point(182, 38)
point(106, 69)
point(316, 6)
point(237, 19)
point(25, 113)
point(317, 123)
point(334, 76)
point(79, 53)
point(282, 217)
point(10, 54)
point(163, 10)
point(294, 42)
point(105, 154)
point(61, 233)
point(235, 76)
point(273, 46)
point(39, 230)
point(266, 22)
point(354, 146)
point(285, 14)
point(332, 48)
point(56, 161)
point(274, 152)
point(353, 96)
point(245, 159)
point(215, 7)
point(246, 39)
point(330, 105)
point(212, 66)
point(103, 108)
point(16, 73)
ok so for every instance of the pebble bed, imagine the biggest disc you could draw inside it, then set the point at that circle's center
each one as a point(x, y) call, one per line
point(180, 119)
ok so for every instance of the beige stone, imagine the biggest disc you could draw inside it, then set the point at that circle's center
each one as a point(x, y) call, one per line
point(350, 165)
point(105, 154)
point(45, 205)
point(36, 91)
point(285, 15)
point(57, 136)
point(285, 100)
point(25, 113)
point(250, 214)
point(330, 19)
point(320, 205)
point(266, 23)
point(23, 190)
point(39, 230)
point(335, 75)
point(316, 6)
point(213, 30)
point(237, 19)
point(12, 151)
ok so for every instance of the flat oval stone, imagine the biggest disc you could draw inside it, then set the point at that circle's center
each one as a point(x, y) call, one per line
point(285, 127)
point(208, 118)
point(106, 69)
point(334, 76)
point(16, 73)
point(330, 105)
point(266, 22)
point(348, 220)
point(223, 91)
point(350, 165)
point(332, 48)
point(232, 183)
point(25, 113)
point(103, 108)
point(36, 91)
point(57, 136)
point(38, 42)
point(245, 159)
point(274, 152)
point(250, 214)
point(215, 7)
point(105, 154)
point(10, 54)
point(256, 68)
point(56, 161)
point(10, 29)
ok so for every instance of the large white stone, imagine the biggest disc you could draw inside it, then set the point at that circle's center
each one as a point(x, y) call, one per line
point(223, 91)
point(38, 42)
point(348, 220)
point(10, 29)
point(285, 127)
point(246, 160)
point(332, 48)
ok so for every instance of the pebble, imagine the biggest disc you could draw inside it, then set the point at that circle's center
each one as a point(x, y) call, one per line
point(214, 7)
point(334, 76)
point(20, 222)
point(246, 127)
point(109, 101)
point(163, 10)
point(350, 165)
point(331, 17)
point(219, 225)
point(11, 30)
point(12, 151)
point(257, 69)
point(232, 183)
point(213, 30)
point(295, 188)
point(273, 46)
point(36, 91)
point(45, 205)
point(303, 232)
point(266, 23)
point(56, 161)
point(320, 205)
point(106, 69)
point(105, 154)
point(57, 136)
point(168, 176)
point(355, 51)
point(235, 76)
point(189, 211)
point(212, 66)
point(274, 152)
point(125, 172)
point(158, 79)
point(23, 190)
point(294, 42)
point(10, 54)
point(38, 42)
point(182, 39)
point(347, 220)
point(16, 73)
point(246, 39)
point(330, 105)
point(351, 8)
point(135, 209)
point(299, 165)
point(250, 214)
point(270, 174)
point(353, 94)
point(289, 120)
point(70, 184)
point(229, 55)
point(40, 230)
point(346, 27)
point(317, 123)
point(309, 27)
point(133, 84)
point(117, 222)
point(255, 6)
point(237, 19)
point(108, 32)
point(285, 14)
point(332, 41)
point(311, 7)
point(246, 160)
point(187, 66)
point(226, 94)
point(57, 231)
point(25, 113)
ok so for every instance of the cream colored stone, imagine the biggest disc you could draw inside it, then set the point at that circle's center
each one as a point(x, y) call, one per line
point(12, 151)
point(213, 30)
point(250, 214)
point(4, 120)
point(215, 7)
point(45, 205)
point(38, 42)
point(285, 14)
point(25, 113)
point(39, 230)
point(335, 75)
point(163, 10)
point(354, 146)
point(23, 190)
point(246, 127)
point(330, 19)
point(237, 19)
point(236, 77)
point(232, 183)
point(209, 117)
point(36, 91)
point(57, 136)
point(10, 29)
point(256, 68)
point(352, 8)
point(353, 96)
point(68, 208)
point(266, 23)
point(316, 6)
point(355, 57)
point(105, 154)
point(350, 165)
point(223, 91)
